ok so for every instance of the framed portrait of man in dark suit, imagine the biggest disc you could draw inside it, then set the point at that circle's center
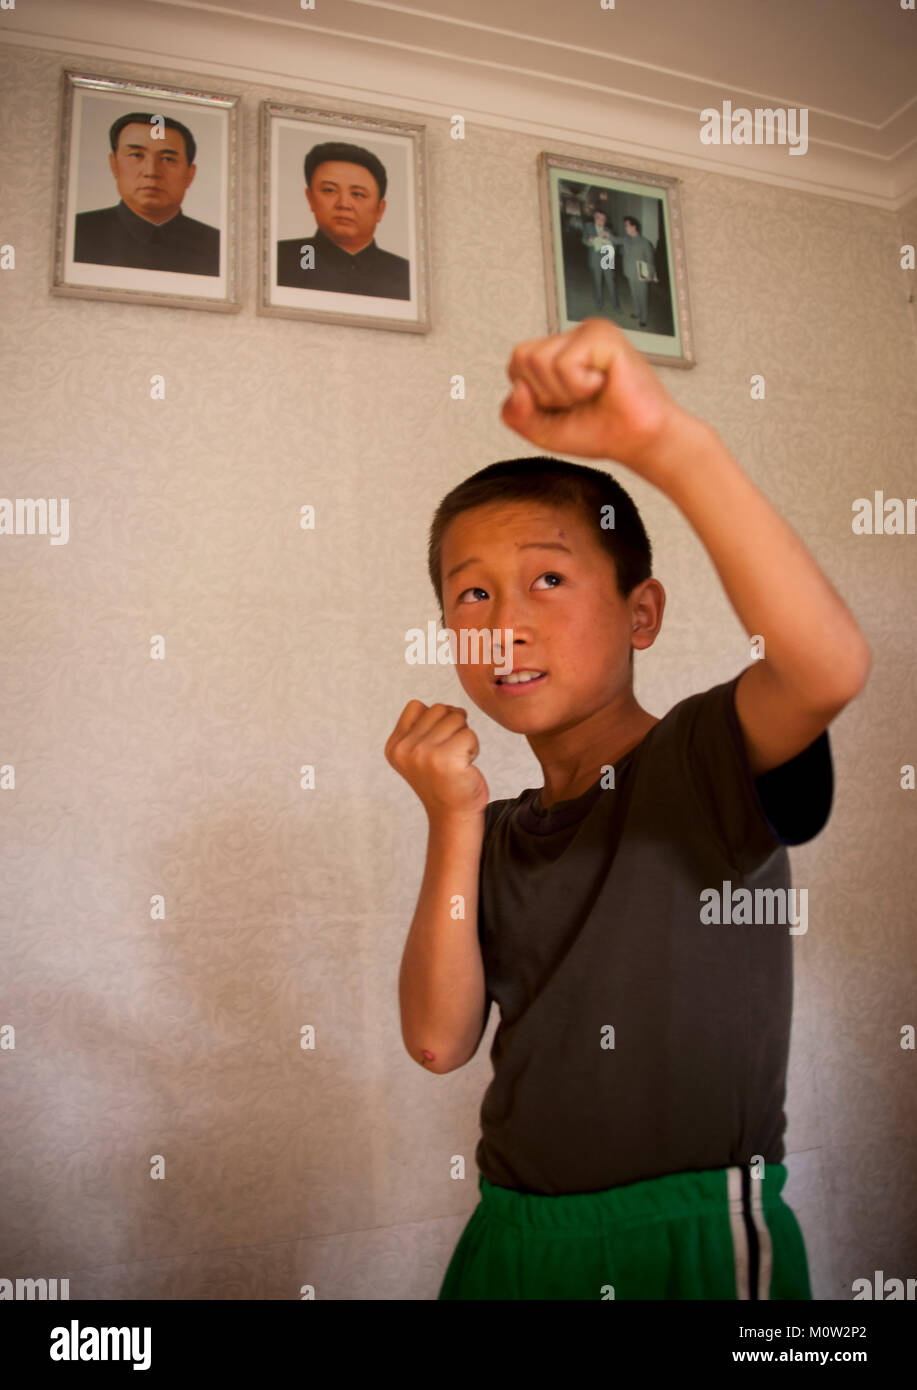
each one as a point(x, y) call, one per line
point(148, 194)
point(343, 224)
point(614, 248)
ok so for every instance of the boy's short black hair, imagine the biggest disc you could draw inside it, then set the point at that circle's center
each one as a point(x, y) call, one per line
point(556, 483)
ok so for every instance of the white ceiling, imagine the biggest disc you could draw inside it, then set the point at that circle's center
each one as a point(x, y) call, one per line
point(632, 79)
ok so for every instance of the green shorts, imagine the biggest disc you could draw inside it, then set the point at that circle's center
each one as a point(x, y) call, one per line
point(720, 1233)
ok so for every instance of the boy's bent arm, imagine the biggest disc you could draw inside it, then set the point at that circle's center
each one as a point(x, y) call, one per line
point(589, 391)
point(441, 982)
point(816, 658)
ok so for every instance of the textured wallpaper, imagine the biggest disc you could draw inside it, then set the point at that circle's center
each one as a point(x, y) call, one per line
point(144, 1030)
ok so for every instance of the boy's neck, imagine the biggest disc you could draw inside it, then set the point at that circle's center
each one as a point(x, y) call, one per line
point(568, 773)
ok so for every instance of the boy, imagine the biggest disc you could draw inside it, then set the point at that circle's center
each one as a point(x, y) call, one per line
point(632, 1135)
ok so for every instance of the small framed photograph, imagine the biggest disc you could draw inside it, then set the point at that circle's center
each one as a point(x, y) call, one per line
point(148, 197)
point(614, 248)
point(343, 219)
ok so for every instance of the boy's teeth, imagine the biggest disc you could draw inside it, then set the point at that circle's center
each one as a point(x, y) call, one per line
point(516, 676)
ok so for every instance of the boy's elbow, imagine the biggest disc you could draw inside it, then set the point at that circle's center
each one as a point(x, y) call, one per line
point(861, 665)
point(439, 1066)
point(443, 1054)
point(437, 1062)
point(848, 676)
point(438, 1059)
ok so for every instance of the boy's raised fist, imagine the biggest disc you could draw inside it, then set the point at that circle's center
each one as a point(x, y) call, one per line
point(434, 750)
point(589, 391)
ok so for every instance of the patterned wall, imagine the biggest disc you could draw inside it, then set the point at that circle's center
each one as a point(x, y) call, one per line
point(134, 777)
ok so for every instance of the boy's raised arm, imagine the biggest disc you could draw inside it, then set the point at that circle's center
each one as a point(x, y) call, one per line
point(816, 658)
point(590, 392)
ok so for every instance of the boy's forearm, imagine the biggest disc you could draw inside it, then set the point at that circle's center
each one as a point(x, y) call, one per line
point(811, 639)
point(441, 983)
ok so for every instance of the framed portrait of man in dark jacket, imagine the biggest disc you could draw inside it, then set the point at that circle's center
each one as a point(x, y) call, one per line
point(147, 204)
point(343, 226)
point(614, 247)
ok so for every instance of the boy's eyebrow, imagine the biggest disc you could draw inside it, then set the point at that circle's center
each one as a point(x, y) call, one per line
point(529, 545)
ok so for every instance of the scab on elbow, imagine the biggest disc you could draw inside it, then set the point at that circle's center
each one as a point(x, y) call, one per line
point(428, 1060)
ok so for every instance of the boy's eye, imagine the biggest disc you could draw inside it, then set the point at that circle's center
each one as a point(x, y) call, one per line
point(476, 590)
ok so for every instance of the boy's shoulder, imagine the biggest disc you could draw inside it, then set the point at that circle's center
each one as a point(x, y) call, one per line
point(793, 801)
point(697, 751)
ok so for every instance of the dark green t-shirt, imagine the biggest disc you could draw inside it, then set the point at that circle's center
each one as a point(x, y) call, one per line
point(591, 915)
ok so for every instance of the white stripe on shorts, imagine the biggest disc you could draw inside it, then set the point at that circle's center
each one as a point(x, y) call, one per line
point(737, 1224)
point(741, 1215)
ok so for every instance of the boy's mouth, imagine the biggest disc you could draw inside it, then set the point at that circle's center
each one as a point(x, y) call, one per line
point(523, 679)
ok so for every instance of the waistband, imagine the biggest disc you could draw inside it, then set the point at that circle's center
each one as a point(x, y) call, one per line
point(723, 1190)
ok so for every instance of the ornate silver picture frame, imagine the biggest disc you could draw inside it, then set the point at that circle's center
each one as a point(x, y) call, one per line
point(344, 228)
point(614, 248)
point(148, 194)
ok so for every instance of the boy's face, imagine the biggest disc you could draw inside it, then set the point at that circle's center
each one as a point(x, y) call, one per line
point(563, 605)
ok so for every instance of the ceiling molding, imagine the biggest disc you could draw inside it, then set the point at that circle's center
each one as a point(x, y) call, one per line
point(560, 92)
